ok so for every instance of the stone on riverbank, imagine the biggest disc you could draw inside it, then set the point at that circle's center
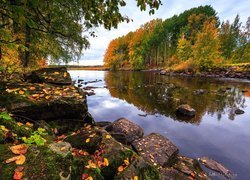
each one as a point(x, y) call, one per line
point(44, 101)
point(131, 130)
point(185, 110)
point(58, 76)
point(157, 149)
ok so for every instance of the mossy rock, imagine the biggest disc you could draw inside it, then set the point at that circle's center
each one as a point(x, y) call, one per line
point(41, 163)
point(140, 168)
point(43, 101)
point(58, 76)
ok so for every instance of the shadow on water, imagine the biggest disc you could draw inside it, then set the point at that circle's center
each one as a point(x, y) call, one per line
point(150, 100)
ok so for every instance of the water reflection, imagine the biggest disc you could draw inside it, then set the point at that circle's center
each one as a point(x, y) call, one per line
point(215, 131)
point(153, 94)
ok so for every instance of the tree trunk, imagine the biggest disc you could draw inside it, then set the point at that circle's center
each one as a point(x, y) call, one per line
point(27, 45)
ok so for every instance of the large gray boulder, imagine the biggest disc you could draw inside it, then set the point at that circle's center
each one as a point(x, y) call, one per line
point(156, 149)
point(131, 130)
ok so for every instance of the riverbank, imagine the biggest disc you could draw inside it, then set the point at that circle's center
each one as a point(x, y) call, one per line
point(46, 99)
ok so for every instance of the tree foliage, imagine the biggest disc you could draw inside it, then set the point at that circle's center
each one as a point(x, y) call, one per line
point(192, 39)
point(56, 30)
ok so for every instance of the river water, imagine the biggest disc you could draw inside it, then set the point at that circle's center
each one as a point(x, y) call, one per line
point(150, 100)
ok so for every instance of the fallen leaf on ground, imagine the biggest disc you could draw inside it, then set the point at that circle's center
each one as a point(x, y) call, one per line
point(87, 140)
point(12, 159)
point(29, 124)
point(19, 123)
point(136, 178)
point(106, 162)
point(126, 162)
point(17, 175)
point(19, 169)
point(19, 149)
point(21, 92)
point(21, 160)
point(108, 136)
point(120, 168)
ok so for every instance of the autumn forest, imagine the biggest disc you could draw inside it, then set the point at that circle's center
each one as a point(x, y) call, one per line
point(195, 40)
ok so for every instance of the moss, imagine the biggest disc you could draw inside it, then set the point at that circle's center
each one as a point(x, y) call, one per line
point(47, 164)
point(149, 173)
point(116, 159)
point(78, 168)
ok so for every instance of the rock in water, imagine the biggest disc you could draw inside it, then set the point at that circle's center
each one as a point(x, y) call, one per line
point(216, 166)
point(157, 149)
point(163, 72)
point(58, 76)
point(185, 110)
point(131, 130)
point(239, 111)
point(199, 92)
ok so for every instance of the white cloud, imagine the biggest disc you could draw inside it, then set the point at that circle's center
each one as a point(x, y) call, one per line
point(227, 9)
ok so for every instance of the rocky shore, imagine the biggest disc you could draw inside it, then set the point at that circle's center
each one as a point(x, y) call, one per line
point(46, 132)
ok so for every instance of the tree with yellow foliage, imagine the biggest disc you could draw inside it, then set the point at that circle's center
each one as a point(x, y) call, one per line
point(206, 50)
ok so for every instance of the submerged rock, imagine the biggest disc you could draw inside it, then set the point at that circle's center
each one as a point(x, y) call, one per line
point(216, 166)
point(157, 149)
point(58, 76)
point(163, 72)
point(185, 110)
point(131, 130)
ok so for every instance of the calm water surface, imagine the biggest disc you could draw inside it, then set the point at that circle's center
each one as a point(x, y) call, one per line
point(150, 100)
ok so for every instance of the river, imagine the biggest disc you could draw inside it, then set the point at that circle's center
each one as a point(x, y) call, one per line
point(150, 100)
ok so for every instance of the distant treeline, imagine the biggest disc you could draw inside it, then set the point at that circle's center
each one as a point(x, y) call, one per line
point(194, 40)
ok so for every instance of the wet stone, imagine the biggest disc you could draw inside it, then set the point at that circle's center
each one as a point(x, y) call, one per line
point(215, 166)
point(157, 149)
point(185, 110)
point(131, 130)
point(62, 148)
point(239, 111)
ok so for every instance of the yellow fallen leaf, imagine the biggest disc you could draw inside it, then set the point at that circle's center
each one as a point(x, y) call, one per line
point(136, 178)
point(56, 73)
point(21, 160)
point(19, 123)
point(106, 162)
point(91, 165)
point(65, 74)
point(87, 140)
point(126, 162)
point(24, 138)
point(47, 97)
point(90, 178)
point(4, 128)
point(21, 92)
point(108, 136)
point(120, 168)
point(32, 88)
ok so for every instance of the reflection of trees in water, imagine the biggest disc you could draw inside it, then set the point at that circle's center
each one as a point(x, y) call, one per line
point(227, 102)
point(153, 94)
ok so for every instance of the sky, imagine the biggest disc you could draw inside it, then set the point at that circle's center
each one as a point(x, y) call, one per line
point(226, 9)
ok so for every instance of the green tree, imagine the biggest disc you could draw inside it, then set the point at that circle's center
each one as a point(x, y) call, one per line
point(230, 37)
point(206, 50)
point(184, 49)
point(58, 29)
